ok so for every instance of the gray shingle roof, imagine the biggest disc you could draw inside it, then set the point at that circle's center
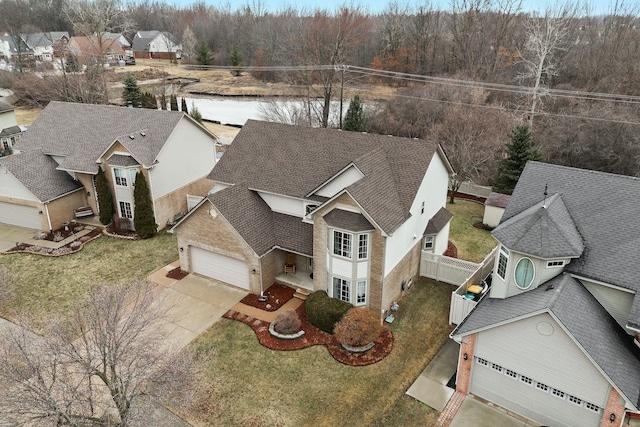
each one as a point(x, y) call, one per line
point(121, 160)
point(4, 107)
point(82, 132)
point(142, 39)
point(346, 220)
point(11, 130)
point(545, 230)
point(261, 228)
point(295, 160)
point(583, 317)
point(38, 173)
point(604, 209)
point(438, 221)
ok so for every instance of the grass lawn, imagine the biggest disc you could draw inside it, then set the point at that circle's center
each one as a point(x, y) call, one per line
point(473, 243)
point(51, 285)
point(248, 384)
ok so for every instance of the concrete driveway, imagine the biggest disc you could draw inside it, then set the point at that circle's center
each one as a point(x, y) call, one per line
point(193, 304)
point(10, 234)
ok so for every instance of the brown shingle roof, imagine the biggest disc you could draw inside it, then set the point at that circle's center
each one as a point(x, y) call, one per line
point(438, 221)
point(346, 220)
point(498, 200)
point(82, 132)
point(295, 160)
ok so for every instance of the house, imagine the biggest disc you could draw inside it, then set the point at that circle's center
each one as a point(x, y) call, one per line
point(89, 50)
point(122, 41)
point(554, 339)
point(38, 45)
point(59, 40)
point(9, 129)
point(494, 207)
point(54, 168)
point(347, 212)
point(156, 45)
point(9, 49)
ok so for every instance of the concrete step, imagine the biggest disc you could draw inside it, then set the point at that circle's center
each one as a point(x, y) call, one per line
point(302, 293)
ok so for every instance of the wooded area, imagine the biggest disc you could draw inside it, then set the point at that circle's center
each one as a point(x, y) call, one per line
point(464, 76)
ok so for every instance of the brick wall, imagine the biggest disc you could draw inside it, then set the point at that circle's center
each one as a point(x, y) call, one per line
point(175, 202)
point(463, 380)
point(615, 405)
point(272, 265)
point(61, 210)
point(407, 269)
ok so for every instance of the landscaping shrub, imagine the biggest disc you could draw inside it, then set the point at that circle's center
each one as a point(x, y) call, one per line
point(358, 327)
point(287, 323)
point(122, 224)
point(324, 312)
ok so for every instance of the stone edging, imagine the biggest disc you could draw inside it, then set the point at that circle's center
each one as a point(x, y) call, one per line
point(119, 236)
point(273, 332)
point(69, 252)
point(360, 349)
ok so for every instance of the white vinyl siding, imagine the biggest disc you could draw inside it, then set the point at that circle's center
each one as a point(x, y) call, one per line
point(617, 302)
point(220, 267)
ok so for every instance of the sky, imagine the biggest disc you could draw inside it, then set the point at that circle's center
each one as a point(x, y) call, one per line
point(378, 6)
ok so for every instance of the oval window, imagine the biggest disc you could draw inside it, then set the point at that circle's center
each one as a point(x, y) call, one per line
point(524, 273)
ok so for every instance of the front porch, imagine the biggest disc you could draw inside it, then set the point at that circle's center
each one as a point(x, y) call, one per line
point(299, 279)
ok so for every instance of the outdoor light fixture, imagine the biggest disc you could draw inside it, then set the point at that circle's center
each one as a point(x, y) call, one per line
point(465, 356)
point(253, 271)
point(612, 417)
point(181, 249)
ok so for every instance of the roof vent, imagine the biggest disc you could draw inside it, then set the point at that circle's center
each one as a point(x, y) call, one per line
point(143, 133)
point(549, 287)
point(132, 136)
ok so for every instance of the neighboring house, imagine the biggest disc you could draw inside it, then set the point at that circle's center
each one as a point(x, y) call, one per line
point(39, 45)
point(554, 339)
point(348, 212)
point(9, 129)
point(122, 41)
point(494, 208)
point(90, 50)
point(9, 49)
point(59, 40)
point(156, 45)
point(59, 155)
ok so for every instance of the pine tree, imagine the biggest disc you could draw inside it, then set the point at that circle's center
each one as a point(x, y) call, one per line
point(105, 199)
point(236, 60)
point(144, 221)
point(174, 103)
point(149, 101)
point(195, 113)
point(72, 64)
point(355, 120)
point(131, 94)
point(519, 151)
point(184, 105)
point(203, 54)
point(163, 102)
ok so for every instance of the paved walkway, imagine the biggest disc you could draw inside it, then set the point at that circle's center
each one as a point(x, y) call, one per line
point(10, 235)
point(266, 316)
point(431, 386)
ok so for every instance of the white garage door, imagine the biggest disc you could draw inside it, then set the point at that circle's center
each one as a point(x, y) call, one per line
point(22, 216)
point(220, 267)
point(530, 398)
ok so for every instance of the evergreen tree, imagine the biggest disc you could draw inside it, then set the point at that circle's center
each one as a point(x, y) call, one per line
point(184, 105)
point(203, 54)
point(519, 151)
point(143, 220)
point(163, 102)
point(236, 60)
point(195, 113)
point(72, 65)
point(355, 120)
point(131, 94)
point(174, 103)
point(149, 101)
point(105, 199)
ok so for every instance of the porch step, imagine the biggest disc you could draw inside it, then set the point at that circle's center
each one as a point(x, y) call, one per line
point(302, 293)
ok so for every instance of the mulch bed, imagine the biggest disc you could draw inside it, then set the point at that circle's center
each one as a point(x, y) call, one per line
point(451, 251)
point(177, 274)
point(61, 234)
point(313, 336)
point(276, 294)
point(69, 248)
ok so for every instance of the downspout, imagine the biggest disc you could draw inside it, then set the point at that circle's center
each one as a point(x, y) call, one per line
point(46, 209)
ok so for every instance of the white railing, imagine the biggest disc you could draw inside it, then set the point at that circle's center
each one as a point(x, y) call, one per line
point(445, 269)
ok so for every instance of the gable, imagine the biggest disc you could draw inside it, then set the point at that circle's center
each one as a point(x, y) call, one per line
point(342, 180)
point(11, 187)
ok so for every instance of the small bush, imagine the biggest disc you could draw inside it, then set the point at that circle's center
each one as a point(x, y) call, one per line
point(324, 312)
point(358, 327)
point(122, 224)
point(287, 323)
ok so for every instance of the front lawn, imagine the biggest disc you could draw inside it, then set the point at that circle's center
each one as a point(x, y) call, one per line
point(473, 243)
point(45, 286)
point(247, 384)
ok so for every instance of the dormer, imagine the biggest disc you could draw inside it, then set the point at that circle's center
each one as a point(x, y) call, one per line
point(535, 245)
point(347, 176)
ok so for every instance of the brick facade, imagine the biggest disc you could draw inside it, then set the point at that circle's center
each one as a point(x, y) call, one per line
point(405, 271)
point(62, 210)
point(463, 379)
point(175, 202)
point(615, 405)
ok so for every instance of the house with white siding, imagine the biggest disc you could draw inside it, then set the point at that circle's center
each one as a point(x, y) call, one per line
point(52, 173)
point(320, 209)
point(557, 338)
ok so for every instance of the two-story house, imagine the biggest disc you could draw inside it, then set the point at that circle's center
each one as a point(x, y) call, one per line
point(554, 339)
point(320, 209)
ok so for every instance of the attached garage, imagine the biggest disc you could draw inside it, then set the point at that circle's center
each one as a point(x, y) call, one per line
point(530, 398)
point(219, 267)
point(20, 215)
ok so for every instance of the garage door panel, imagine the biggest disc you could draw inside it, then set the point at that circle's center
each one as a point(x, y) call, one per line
point(20, 215)
point(220, 267)
point(529, 398)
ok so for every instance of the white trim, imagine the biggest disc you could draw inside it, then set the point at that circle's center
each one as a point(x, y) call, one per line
point(598, 282)
point(515, 269)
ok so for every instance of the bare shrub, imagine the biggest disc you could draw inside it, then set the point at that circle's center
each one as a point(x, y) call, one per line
point(123, 224)
point(287, 323)
point(358, 327)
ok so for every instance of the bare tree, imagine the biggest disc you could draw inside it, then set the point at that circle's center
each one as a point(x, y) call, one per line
point(189, 43)
point(95, 364)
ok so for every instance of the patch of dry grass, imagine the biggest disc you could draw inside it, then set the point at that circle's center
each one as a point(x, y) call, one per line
point(248, 384)
point(26, 116)
point(473, 243)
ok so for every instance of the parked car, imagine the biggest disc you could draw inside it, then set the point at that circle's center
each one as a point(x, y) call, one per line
point(130, 60)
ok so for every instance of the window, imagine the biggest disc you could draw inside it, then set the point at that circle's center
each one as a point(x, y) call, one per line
point(341, 289)
point(121, 176)
point(309, 208)
point(542, 387)
point(557, 393)
point(510, 373)
point(483, 361)
point(125, 210)
point(361, 292)
point(575, 400)
point(5, 144)
point(555, 263)
point(428, 242)
point(526, 380)
point(342, 244)
point(363, 247)
point(496, 367)
point(132, 174)
point(503, 259)
point(422, 208)
point(592, 407)
point(524, 273)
